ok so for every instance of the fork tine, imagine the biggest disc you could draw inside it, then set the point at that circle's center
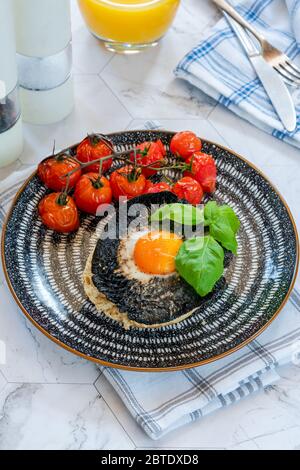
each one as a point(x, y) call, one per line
point(290, 80)
point(293, 66)
point(285, 71)
point(290, 70)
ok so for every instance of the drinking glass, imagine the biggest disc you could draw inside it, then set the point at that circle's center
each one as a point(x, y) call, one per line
point(128, 26)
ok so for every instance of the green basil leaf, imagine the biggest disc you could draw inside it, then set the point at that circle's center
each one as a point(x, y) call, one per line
point(210, 212)
point(223, 224)
point(200, 262)
point(184, 214)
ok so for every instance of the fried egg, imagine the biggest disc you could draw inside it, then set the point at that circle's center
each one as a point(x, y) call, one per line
point(132, 278)
point(145, 253)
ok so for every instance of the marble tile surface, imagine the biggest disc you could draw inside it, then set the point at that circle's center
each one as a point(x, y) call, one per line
point(8, 170)
point(201, 126)
point(51, 399)
point(2, 381)
point(96, 59)
point(257, 423)
point(33, 358)
point(144, 83)
point(96, 107)
point(58, 417)
point(279, 161)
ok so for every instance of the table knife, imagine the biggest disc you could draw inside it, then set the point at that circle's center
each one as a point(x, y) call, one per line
point(274, 86)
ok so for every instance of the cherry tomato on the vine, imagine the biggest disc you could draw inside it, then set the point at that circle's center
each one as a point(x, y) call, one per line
point(189, 189)
point(53, 172)
point(93, 148)
point(58, 212)
point(148, 185)
point(204, 170)
point(185, 143)
point(149, 154)
point(158, 188)
point(127, 181)
point(92, 192)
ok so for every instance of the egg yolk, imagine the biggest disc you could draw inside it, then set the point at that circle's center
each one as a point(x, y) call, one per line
point(155, 252)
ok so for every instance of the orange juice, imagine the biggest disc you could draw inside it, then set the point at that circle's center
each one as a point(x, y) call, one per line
point(131, 23)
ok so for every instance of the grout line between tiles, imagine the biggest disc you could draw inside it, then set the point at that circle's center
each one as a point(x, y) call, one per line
point(218, 132)
point(212, 110)
point(107, 63)
point(101, 373)
point(128, 127)
point(4, 377)
point(221, 136)
point(122, 426)
point(114, 94)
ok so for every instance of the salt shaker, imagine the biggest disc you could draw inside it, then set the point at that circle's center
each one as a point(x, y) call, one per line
point(11, 138)
point(44, 56)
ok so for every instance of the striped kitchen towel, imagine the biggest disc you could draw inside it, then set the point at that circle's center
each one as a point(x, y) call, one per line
point(219, 66)
point(162, 402)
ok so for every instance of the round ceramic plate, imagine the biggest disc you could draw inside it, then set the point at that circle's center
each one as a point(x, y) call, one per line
point(44, 272)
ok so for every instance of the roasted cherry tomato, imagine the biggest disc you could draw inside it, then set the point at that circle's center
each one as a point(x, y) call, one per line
point(127, 181)
point(148, 185)
point(158, 188)
point(185, 143)
point(92, 192)
point(92, 148)
point(149, 153)
point(204, 169)
point(59, 212)
point(53, 170)
point(189, 189)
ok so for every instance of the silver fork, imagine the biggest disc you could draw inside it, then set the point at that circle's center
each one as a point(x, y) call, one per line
point(276, 58)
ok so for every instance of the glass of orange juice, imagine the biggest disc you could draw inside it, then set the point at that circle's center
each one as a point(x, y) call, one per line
point(128, 26)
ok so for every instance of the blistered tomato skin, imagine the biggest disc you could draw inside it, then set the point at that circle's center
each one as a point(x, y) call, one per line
point(149, 154)
point(127, 182)
point(148, 186)
point(53, 172)
point(204, 170)
point(59, 212)
point(189, 189)
point(92, 193)
point(158, 188)
point(184, 144)
point(93, 148)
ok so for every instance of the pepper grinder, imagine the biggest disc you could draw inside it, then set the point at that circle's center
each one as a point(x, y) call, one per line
point(11, 138)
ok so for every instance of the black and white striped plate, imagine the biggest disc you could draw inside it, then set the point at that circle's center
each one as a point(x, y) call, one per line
point(44, 271)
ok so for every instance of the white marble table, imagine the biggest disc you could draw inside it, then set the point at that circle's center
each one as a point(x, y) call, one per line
point(50, 399)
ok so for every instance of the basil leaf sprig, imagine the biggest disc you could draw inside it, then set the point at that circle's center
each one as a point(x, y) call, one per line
point(223, 225)
point(200, 261)
point(184, 214)
point(222, 222)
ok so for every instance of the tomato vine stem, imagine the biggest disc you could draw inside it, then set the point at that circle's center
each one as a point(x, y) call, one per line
point(121, 156)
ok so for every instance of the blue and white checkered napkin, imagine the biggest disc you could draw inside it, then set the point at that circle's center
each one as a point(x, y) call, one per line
point(219, 67)
point(161, 402)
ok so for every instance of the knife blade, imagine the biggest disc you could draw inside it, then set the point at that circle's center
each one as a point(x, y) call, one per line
point(274, 86)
